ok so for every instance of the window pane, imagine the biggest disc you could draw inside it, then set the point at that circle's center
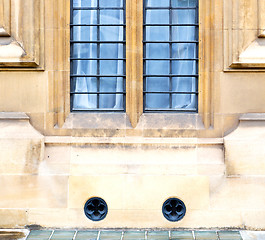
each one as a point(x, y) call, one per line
point(184, 84)
point(83, 84)
point(157, 3)
point(108, 33)
point(83, 50)
point(157, 33)
point(157, 84)
point(84, 17)
point(84, 102)
point(111, 3)
point(184, 50)
point(157, 101)
point(111, 84)
point(184, 101)
point(111, 50)
point(184, 67)
point(157, 67)
point(84, 3)
point(84, 33)
point(157, 50)
point(84, 67)
point(184, 3)
point(157, 16)
point(111, 101)
point(186, 33)
point(184, 16)
point(111, 16)
point(111, 67)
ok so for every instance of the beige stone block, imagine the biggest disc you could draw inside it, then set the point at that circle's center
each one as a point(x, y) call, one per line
point(254, 220)
point(150, 192)
point(213, 169)
point(241, 194)
point(56, 160)
point(20, 156)
point(33, 191)
point(244, 148)
point(243, 99)
point(18, 91)
point(54, 218)
point(134, 159)
point(110, 188)
point(210, 160)
point(13, 218)
point(139, 191)
point(210, 154)
point(245, 158)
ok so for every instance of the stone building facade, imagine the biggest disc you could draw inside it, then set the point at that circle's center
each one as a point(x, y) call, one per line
point(53, 160)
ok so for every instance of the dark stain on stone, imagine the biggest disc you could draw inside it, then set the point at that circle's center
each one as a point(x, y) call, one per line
point(33, 157)
point(34, 227)
point(5, 235)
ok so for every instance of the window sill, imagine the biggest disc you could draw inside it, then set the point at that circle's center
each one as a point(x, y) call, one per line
point(157, 121)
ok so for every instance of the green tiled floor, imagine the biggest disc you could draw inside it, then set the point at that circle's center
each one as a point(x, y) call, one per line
point(132, 235)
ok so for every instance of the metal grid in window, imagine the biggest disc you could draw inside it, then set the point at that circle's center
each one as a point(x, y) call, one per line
point(98, 55)
point(170, 30)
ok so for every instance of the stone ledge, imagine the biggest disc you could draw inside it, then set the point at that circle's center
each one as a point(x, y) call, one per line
point(252, 117)
point(68, 140)
point(121, 121)
point(13, 116)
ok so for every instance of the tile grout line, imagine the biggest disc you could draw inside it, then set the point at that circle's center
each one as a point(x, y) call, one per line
point(51, 235)
point(98, 235)
point(122, 235)
point(75, 235)
point(27, 236)
point(169, 235)
point(145, 235)
point(193, 235)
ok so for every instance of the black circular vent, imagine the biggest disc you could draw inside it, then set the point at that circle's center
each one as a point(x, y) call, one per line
point(96, 209)
point(174, 209)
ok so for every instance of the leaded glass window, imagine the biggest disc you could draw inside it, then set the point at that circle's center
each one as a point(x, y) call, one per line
point(170, 55)
point(98, 55)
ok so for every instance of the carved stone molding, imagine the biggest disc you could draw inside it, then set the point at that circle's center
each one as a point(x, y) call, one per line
point(261, 15)
point(244, 32)
point(5, 19)
point(21, 34)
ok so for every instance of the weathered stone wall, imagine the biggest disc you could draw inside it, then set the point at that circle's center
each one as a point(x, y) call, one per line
point(52, 161)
